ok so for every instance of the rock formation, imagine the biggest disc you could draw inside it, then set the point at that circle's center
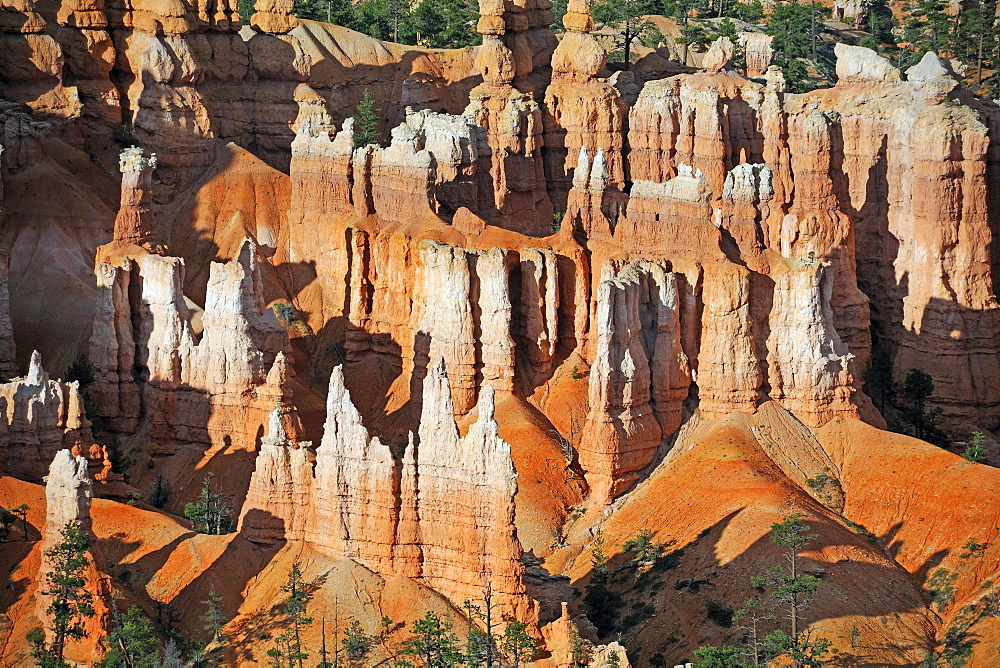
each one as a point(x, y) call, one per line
point(40, 417)
point(728, 252)
point(188, 391)
point(580, 110)
point(442, 512)
point(68, 495)
point(639, 377)
point(135, 225)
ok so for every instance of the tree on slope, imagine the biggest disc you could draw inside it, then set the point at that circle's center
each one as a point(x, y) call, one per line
point(366, 121)
point(625, 16)
point(133, 643)
point(340, 12)
point(288, 649)
point(71, 602)
point(433, 642)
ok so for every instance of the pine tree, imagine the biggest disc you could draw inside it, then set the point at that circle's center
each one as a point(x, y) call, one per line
point(214, 617)
point(601, 603)
point(357, 645)
point(7, 520)
point(516, 645)
point(339, 12)
point(366, 121)
point(210, 514)
point(433, 642)
point(67, 583)
point(794, 590)
point(288, 649)
point(133, 643)
point(625, 16)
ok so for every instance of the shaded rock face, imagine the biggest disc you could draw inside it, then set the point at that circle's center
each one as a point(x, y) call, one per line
point(148, 365)
point(842, 192)
point(441, 511)
point(40, 417)
point(135, 224)
point(68, 495)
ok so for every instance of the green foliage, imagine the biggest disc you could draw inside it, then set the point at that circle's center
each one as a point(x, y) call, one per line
point(71, 602)
point(288, 647)
point(445, 24)
point(880, 23)
point(646, 551)
point(516, 645)
point(751, 12)
point(941, 587)
point(119, 461)
point(719, 612)
point(625, 16)
point(861, 531)
point(123, 134)
point(752, 619)
point(795, 27)
point(40, 653)
point(21, 512)
point(580, 648)
point(976, 451)
point(285, 312)
point(958, 644)
point(339, 12)
point(558, 12)
point(80, 370)
point(357, 645)
point(717, 657)
point(159, 490)
point(972, 549)
point(209, 514)
point(917, 390)
point(819, 483)
point(433, 642)
point(133, 643)
point(7, 521)
point(601, 602)
point(245, 8)
point(726, 28)
point(215, 615)
point(366, 122)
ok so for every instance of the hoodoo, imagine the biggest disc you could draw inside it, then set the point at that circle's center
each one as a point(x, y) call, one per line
point(483, 347)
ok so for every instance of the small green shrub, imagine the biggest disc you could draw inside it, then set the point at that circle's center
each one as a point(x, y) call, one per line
point(719, 612)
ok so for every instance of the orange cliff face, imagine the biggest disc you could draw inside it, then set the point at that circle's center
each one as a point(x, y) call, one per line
point(460, 388)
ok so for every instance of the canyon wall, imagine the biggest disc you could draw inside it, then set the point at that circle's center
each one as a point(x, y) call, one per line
point(723, 244)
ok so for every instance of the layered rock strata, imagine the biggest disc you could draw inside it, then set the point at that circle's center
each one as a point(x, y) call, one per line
point(580, 110)
point(135, 225)
point(149, 366)
point(40, 417)
point(442, 510)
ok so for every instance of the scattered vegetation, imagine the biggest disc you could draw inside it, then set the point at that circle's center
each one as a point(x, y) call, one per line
point(789, 590)
point(71, 602)
point(288, 649)
point(720, 613)
point(975, 452)
point(285, 312)
point(133, 643)
point(366, 122)
point(941, 587)
point(601, 602)
point(210, 514)
point(159, 490)
point(646, 551)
